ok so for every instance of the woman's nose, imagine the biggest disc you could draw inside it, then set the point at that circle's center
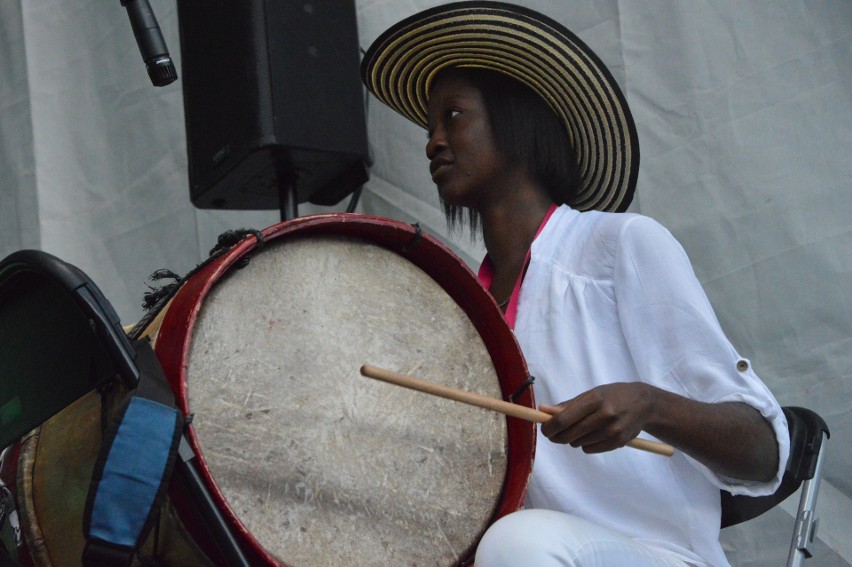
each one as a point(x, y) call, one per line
point(435, 144)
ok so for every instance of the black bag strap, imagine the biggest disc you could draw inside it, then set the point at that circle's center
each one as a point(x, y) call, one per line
point(133, 468)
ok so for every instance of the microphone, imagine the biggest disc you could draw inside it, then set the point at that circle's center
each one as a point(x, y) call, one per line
point(155, 54)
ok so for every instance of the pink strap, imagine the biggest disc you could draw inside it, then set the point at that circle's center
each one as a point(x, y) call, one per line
point(486, 274)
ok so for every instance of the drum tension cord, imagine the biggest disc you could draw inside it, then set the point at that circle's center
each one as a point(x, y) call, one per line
point(523, 388)
point(157, 298)
point(418, 236)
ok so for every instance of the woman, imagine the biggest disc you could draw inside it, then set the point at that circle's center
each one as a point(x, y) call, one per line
point(530, 135)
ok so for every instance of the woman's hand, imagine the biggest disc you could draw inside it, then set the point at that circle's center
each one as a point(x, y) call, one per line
point(602, 419)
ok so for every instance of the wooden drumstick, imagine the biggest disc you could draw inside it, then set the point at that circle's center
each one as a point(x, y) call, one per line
point(493, 404)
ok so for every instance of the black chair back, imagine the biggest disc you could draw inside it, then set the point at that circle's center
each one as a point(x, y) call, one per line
point(806, 436)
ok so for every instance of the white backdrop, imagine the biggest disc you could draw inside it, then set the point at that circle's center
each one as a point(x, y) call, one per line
point(744, 111)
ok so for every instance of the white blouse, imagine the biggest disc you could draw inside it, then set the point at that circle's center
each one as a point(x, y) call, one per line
point(613, 298)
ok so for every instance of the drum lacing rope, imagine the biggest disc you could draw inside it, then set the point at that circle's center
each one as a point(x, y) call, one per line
point(157, 298)
point(523, 388)
point(231, 238)
point(418, 235)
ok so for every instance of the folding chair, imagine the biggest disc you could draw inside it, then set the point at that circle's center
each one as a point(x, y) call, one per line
point(808, 435)
point(60, 339)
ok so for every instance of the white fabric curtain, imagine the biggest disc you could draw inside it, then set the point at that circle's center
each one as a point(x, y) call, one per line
point(744, 111)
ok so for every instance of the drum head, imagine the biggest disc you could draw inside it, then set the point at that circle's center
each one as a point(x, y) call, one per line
point(315, 463)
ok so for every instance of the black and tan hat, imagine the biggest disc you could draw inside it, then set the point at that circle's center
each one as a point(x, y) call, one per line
point(400, 65)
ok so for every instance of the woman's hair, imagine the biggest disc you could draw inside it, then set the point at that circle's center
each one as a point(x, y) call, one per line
point(527, 133)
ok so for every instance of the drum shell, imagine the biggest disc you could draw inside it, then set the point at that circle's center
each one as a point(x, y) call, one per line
point(50, 470)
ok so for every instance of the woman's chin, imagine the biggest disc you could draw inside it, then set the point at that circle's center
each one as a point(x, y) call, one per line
point(449, 195)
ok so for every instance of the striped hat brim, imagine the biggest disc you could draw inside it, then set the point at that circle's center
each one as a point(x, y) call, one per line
point(400, 65)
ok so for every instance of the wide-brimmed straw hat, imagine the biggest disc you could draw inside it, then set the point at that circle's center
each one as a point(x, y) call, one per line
point(401, 64)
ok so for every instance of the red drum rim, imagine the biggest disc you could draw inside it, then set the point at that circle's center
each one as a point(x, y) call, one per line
point(424, 251)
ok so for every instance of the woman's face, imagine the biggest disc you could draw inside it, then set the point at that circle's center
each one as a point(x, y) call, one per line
point(464, 160)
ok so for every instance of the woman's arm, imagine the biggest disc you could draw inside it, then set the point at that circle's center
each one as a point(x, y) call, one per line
point(730, 438)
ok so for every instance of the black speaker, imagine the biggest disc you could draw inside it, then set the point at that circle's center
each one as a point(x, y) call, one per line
point(273, 101)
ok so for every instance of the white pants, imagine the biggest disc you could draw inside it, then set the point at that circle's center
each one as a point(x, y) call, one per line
point(544, 538)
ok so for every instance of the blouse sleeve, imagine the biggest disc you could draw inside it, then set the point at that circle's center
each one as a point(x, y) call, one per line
point(676, 341)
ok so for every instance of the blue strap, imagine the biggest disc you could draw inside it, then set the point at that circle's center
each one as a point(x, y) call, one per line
point(133, 472)
point(135, 464)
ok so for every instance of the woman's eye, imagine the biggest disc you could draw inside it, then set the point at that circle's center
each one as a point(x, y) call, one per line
point(448, 116)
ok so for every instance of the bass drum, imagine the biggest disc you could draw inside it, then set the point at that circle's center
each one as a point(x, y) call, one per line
point(311, 463)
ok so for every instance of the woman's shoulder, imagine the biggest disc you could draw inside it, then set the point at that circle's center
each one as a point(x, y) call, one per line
point(588, 242)
point(603, 226)
point(623, 229)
